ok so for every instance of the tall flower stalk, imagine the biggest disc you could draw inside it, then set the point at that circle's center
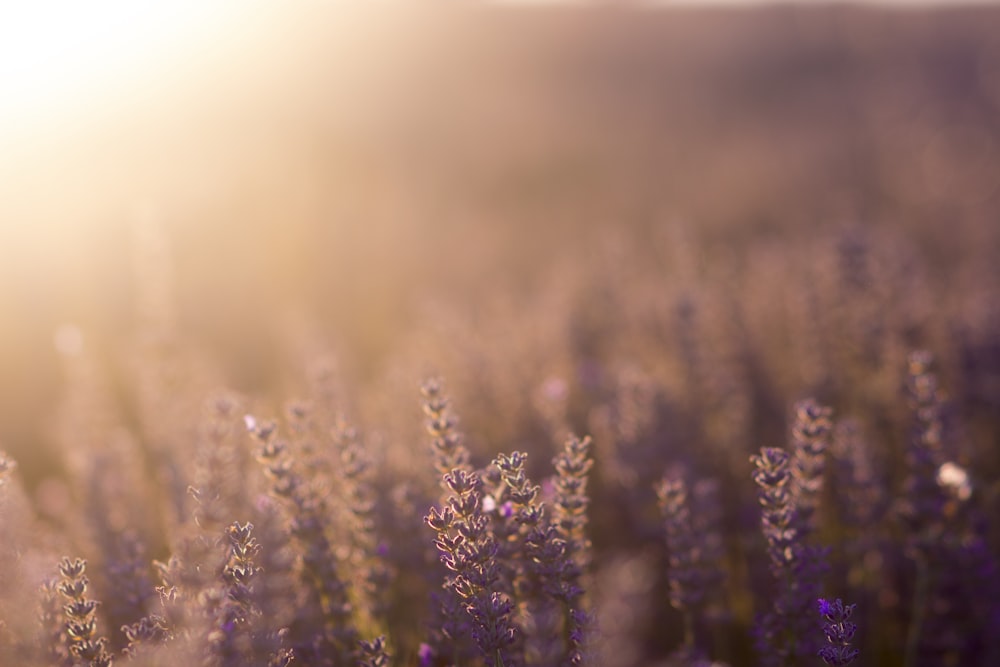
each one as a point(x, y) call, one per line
point(468, 549)
point(573, 466)
point(85, 646)
point(782, 633)
point(323, 632)
point(684, 573)
point(839, 632)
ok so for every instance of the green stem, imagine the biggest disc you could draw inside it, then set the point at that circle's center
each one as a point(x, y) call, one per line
point(919, 611)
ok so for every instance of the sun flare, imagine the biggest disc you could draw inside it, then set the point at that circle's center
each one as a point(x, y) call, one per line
point(60, 54)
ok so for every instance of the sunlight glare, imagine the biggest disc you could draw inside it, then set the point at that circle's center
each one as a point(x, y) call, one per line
point(61, 53)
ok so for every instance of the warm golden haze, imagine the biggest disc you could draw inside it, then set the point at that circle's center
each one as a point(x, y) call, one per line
point(308, 162)
point(444, 334)
point(60, 58)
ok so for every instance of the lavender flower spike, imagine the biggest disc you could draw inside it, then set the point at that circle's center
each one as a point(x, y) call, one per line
point(839, 632)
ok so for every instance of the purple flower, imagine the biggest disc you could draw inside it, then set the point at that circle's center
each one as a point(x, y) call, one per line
point(425, 654)
point(555, 389)
point(839, 632)
point(824, 607)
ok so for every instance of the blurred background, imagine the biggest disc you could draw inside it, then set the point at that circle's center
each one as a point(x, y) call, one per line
point(259, 170)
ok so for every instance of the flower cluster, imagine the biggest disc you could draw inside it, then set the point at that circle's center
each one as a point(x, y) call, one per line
point(771, 473)
point(810, 430)
point(839, 631)
point(468, 549)
point(686, 589)
point(234, 604)
point(788, 493)
point(446, 442)
point(324, 594)
point(923, 501)
point(85, 647)
point(374, 653)
point(332, 537)
point(7, 467)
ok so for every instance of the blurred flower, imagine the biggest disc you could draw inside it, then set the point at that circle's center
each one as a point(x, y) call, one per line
point(489, 504)
point(425, 654)
point(955, 479)
point(555, 389)
point(7, 466)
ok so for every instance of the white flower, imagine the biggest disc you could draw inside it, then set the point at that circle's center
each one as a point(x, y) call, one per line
point(489, 504)
point(955, 479)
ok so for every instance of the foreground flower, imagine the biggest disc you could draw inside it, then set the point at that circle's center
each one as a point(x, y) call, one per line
point(839, 632)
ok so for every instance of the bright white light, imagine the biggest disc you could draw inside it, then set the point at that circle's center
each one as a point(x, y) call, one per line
point(489, 504)
point(57, 53)
point(251, 422)
point(954, 478)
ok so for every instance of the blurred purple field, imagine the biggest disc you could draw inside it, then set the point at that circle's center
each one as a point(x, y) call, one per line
point(473, 334)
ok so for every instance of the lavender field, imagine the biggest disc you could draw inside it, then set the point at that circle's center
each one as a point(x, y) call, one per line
point(512, 336)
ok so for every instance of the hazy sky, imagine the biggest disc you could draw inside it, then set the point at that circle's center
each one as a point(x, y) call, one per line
point(57, 57)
